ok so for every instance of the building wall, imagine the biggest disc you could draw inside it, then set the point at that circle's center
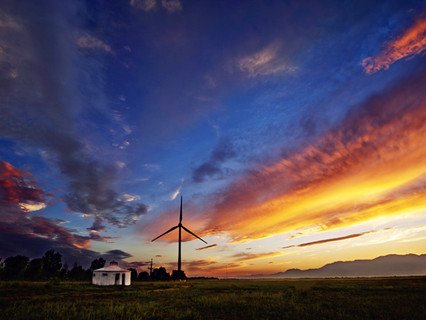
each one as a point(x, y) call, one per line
point(109, 278)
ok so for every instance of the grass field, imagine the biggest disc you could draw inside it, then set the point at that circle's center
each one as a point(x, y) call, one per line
point(387, 298)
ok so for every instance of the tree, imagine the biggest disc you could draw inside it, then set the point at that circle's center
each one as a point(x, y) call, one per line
point(143, 276)
point(35, 269)
point(51, 263)
point(64, 271)
point(160, 274)
point(97, 264)
point(1, 268)
point(178, 275)
point(133, 274)
point(14, 267)
point(77, 272)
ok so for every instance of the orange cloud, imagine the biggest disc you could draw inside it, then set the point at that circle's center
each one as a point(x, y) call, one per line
point(244, 256)
point(19, 187)
point(350, 236)
point(410, 43)
point(373, 165)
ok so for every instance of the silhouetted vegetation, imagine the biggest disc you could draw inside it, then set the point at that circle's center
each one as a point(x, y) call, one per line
point(97, 264)
point(133, 274)
point(50, 267)
point(143, 276)
point(178, 275)
point(160, 274)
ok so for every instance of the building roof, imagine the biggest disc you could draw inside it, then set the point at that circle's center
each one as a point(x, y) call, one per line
point(113, 267)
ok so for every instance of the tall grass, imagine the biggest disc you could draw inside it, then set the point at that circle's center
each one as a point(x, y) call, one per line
point(393, 298)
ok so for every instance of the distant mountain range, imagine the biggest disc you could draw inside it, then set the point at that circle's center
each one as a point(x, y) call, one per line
point(390, 265)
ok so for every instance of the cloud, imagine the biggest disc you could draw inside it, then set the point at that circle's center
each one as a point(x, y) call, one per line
point(412, 42)
point(22, 232)
point(350, 236)
point(90, 42)
point(207, 247)
point(175, 193)
point(244, 256)
point(213, 166)
point(145, 5)
point(138, 265)
point(171, 6)
point(264, 62)
point(19, 188)
point(127, 197)
point(117, 255)
point(371, 165)
point(39, 109)
point(8, 22)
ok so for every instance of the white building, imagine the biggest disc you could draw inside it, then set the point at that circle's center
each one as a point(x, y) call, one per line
point(111, 275)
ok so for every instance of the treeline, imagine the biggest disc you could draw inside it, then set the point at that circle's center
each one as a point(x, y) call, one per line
point(50, 266)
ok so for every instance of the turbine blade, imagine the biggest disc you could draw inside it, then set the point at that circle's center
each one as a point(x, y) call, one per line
point(189, 231)
point(180, 218)
point(171, 229)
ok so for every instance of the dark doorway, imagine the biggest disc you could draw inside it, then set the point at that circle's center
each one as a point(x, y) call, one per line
point(117, 278)
point(123, 278)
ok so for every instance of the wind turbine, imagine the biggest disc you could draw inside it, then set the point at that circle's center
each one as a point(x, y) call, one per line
point(180, 226)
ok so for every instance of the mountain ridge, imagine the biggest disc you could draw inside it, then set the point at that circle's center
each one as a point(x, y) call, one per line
point(388, 265)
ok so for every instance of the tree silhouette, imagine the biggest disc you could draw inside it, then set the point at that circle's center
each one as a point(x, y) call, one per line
point(35, 269)
point(160, 274)
point(97, 264)
point(133, 274)
point(143, 276)
point(178, 275)
point(52, 263)
point(77, 272)
point(14, 267)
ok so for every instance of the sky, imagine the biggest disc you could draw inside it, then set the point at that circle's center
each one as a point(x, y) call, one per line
point(293, 130)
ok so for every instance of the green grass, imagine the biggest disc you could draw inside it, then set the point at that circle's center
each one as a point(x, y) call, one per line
point(387, 298)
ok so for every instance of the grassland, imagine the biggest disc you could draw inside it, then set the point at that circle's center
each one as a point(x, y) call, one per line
point(387, 298)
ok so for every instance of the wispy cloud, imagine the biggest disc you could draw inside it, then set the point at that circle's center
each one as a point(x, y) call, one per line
point(19, 193)
point(207, 247)
point(176, 192)
point(213, 167)
point(412, 42)
point(171, 6)
point(127, 197)
point(145, 5)
point(350, 236)
point(45, 118)
point(87, 41)
point(19, 188)
point(369, 166)
point(9, 22)
point(264, 62)
point(244, 256)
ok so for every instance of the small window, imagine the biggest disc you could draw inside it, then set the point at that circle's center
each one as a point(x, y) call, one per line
point(104, 274)
point(94, 275)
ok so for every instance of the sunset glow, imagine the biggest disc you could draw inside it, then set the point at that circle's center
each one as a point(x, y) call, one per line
point(294, 131)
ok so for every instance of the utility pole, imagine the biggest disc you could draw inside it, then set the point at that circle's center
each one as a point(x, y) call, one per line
point(150, 269)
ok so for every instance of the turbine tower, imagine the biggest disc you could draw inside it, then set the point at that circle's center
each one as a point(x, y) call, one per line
point(180, 226)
